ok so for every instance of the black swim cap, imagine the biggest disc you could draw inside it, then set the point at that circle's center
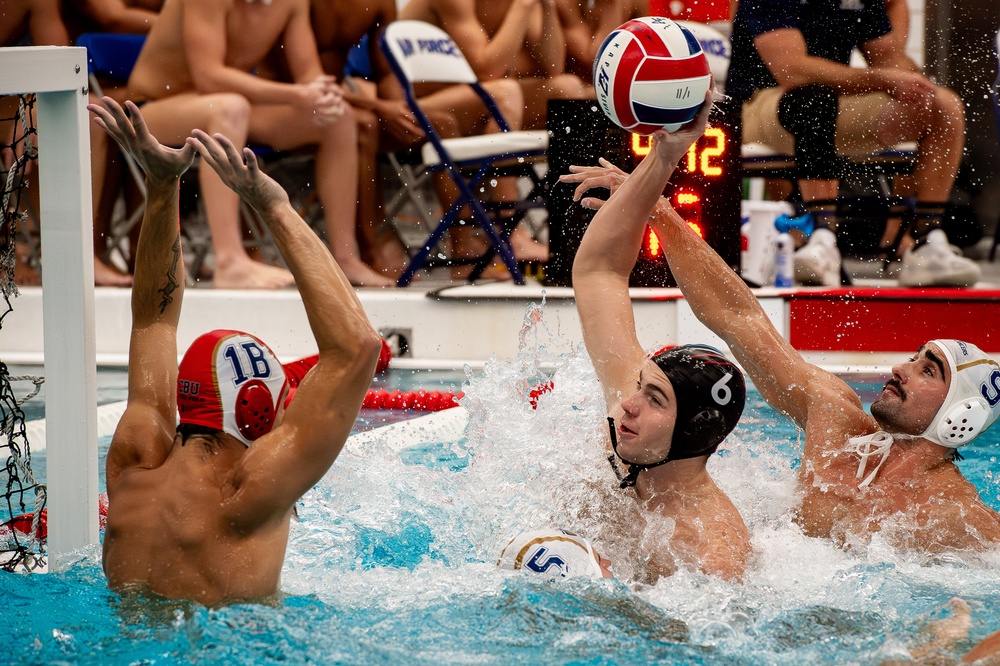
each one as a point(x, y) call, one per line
point(710, 395)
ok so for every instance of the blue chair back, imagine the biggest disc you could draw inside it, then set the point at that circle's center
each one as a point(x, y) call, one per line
point(111, 55)
point(359, 61)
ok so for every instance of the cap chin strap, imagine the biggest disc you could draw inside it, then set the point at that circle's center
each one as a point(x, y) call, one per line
point(866, 446)
point(634, 469)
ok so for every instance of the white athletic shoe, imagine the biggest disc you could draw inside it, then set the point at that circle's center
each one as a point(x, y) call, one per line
point(937, 264)
point(818, 261)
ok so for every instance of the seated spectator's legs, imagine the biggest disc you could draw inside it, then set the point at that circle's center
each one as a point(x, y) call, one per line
point(939, 130)
point(172, 119)
point(379, 246)
point(100, 159)
point(778, 117)
point(894, 243)
point(284, 128)
point(868, 123)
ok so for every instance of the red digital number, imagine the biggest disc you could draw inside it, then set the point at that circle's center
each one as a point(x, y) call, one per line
point(700, 155)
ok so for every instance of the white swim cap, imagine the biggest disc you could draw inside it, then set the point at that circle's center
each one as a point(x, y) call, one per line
point(973, 401)
point(554, 553)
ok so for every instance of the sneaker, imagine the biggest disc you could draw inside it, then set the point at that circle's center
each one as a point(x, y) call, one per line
point(937, 264)
point(818, 261)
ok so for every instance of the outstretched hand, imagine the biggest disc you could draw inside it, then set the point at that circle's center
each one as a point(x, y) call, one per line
point(606, 175)
point(239, 171)
point(668, 146)
point(128, 128)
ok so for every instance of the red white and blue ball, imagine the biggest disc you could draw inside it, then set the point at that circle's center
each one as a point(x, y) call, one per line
point(651, 73)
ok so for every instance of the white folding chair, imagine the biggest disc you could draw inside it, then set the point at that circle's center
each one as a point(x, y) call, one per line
point(419, 52)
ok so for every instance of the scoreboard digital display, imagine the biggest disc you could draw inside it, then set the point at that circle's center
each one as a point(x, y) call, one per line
point(705, 189)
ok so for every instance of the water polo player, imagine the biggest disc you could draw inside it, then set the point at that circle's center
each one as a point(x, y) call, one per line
point(554, 553)
point(709, 393)
point(890, 472)
point(201, 511)
point(670, 412)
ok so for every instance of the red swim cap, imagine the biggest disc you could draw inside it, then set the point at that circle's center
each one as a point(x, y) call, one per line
point(230, 381)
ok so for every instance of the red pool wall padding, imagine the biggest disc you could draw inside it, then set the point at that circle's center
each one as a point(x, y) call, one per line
point(892, 320)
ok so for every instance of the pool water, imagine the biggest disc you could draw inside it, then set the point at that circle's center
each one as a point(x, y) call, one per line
point(394, 558)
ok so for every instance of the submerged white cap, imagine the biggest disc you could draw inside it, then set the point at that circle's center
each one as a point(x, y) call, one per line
point(973, 401)
point(553, 553)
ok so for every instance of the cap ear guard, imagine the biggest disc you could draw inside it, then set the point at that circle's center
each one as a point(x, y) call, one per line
point(963, 422)
point(254, 410)
point(230, 381)
point(708, 426)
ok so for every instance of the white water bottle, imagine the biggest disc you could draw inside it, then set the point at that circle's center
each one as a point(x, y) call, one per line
point(783, 261)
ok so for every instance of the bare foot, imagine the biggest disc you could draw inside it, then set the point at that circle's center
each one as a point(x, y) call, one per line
point(496, 271)
point(467, 244)
point(109, 276)
point(527, 248)
point(361, 275)
point(248, 274)
point(390, 258)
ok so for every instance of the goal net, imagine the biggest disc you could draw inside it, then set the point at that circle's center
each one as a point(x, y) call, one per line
point(22, 544)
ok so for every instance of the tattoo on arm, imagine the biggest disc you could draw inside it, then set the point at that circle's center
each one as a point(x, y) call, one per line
point(171, 286)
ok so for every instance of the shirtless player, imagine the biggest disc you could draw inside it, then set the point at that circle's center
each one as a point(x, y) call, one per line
point(888, 473)
point(201, 511)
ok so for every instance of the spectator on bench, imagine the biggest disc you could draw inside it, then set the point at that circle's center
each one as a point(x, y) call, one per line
point(790, 70)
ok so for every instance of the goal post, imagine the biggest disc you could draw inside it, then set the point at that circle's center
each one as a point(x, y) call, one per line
point(58, 78)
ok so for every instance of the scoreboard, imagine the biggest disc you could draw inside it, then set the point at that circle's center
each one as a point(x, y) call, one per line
point(705, 189)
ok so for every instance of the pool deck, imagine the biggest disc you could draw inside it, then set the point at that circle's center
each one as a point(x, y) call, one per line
point(446, 324)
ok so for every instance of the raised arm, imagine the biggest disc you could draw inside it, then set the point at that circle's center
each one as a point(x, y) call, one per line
point(722, 302)
point(146, 430)
point(282, 465)
point(608, 253)
point(716, 294)
point(601, 272)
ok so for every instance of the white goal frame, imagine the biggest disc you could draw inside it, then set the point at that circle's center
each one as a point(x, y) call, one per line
point(58, 77)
